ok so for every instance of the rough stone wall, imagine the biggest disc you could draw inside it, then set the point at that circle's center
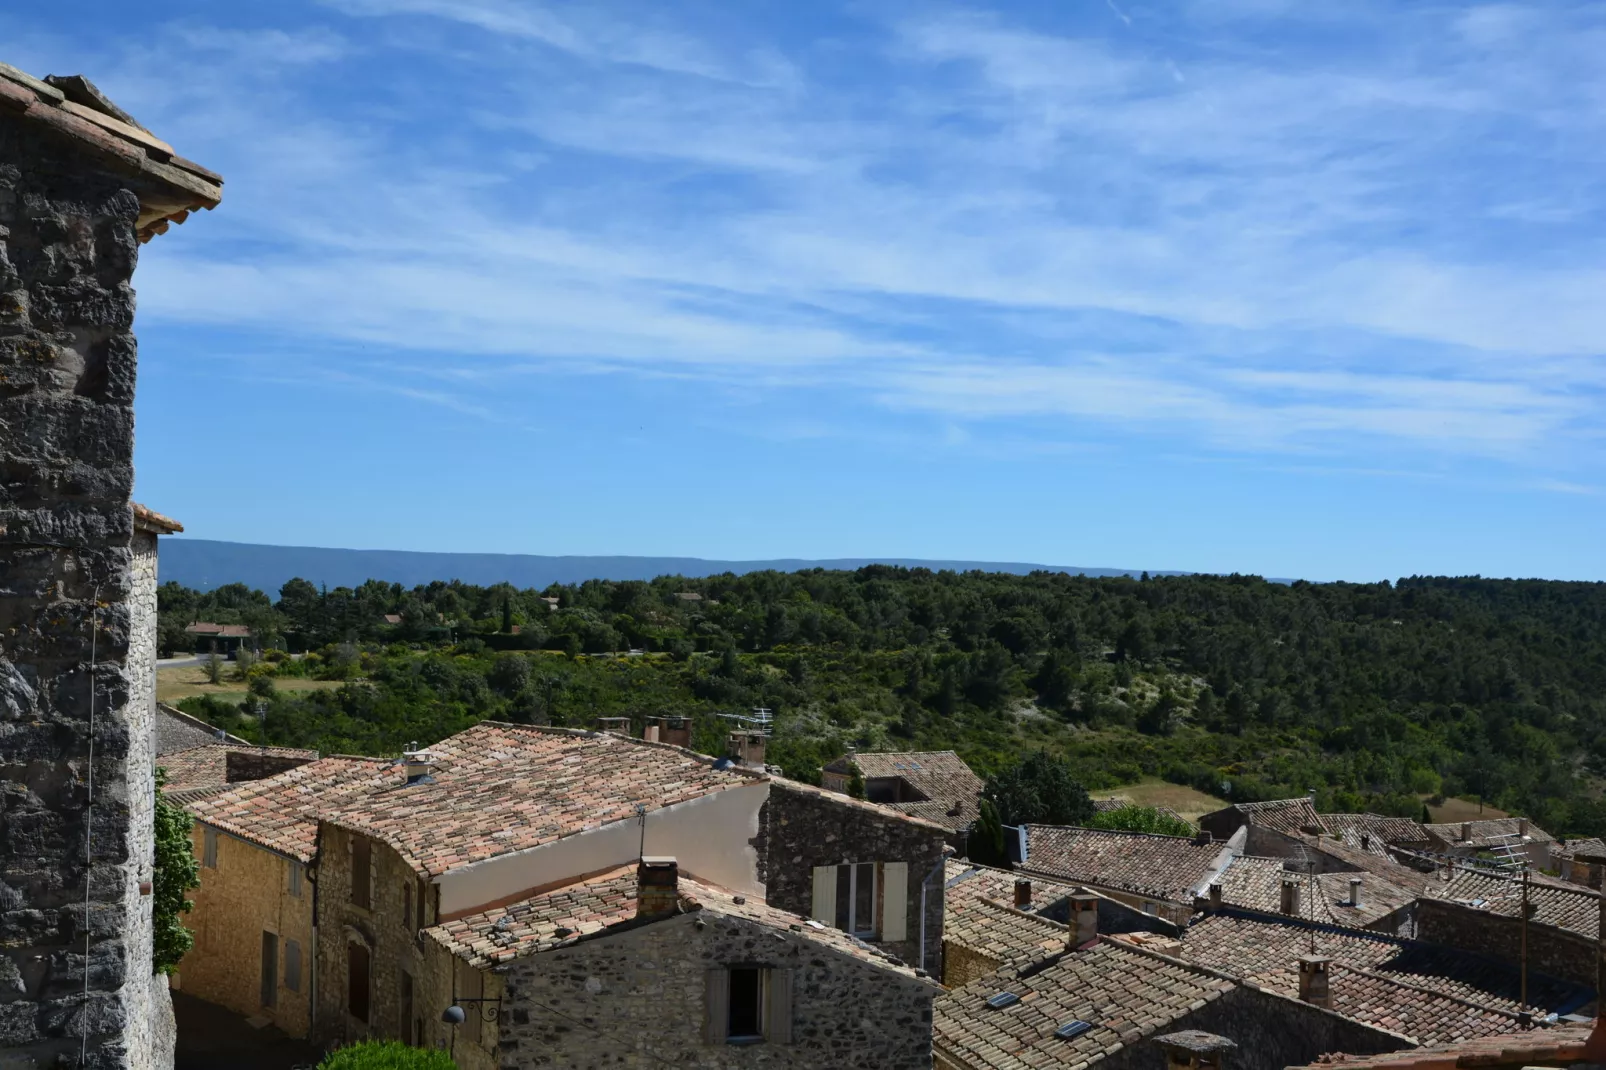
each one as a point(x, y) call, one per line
point(801, 829)
point(67, 360)
point(623, 999)
point(395, 949)
point(1550, 950)
point(962, 965)
point(246, 894)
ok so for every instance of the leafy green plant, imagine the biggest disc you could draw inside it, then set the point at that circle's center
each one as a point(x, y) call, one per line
point(386, 1055)
point(1041, 790)
point(174, 873)
point(1141, 819)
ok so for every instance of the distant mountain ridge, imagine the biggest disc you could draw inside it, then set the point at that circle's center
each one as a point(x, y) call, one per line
point(206, 563)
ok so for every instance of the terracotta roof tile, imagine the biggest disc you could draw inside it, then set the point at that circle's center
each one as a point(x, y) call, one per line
point(1125, 995)
point(1373, 832)
point(941, 776)
point(1266, 950)
point(1563, 906)
point(597, 904)
point(1487, 832)
point(281, 812)
point(169, 187)
point(155, 523)
point(1282, 815)
point(500, 788)
point(1256, 884)
point(1560, 1046)
point(1165, 867)
point(207, 765)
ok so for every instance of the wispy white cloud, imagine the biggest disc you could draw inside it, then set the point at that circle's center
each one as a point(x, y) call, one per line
point(1166, 224)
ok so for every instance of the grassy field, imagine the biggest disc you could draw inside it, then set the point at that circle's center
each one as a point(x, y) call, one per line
point(1455, 810)
point(1152, 792)
point(182, 682)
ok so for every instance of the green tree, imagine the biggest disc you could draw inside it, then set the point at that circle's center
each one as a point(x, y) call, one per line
point(1039, 790)
point(986, 843)
point(510, 674)
point(1141, 819)
point(212, 668)
point(173, 873)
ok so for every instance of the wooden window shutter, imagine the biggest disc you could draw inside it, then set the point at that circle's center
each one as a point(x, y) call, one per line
point(780, 1008)
point(292, 965)
point(718, 1000)
point(895, 901)
point(824, 907)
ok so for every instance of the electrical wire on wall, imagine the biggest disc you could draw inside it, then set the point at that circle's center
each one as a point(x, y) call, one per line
point(89, 814)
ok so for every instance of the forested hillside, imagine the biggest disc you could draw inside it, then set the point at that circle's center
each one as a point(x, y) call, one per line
point(1376, 695)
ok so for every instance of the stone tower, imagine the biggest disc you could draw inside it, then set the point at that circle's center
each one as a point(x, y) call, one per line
point(81, 186)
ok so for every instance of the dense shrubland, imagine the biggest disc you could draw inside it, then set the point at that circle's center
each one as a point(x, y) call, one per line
point(1375, 695)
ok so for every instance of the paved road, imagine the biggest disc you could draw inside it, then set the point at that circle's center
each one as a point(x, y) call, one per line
point(179, 663)
point(213, 1038)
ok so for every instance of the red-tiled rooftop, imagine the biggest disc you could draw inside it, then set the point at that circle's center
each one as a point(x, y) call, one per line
point(951, 788)
point(1561, 1046)
point(500, 788)
point(169, 187)
point(1163, 867)
point(207, 766)
point(151, 521)
point(1557, 904)
point(596, 904)
point(1125, 994)
point(1488, 832)
point(281, 812)
point(1256, 884)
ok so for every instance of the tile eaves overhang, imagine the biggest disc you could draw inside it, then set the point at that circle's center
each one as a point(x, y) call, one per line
point(168, 186)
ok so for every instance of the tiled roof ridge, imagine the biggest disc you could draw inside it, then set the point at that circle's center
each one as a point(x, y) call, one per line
point(1014, 911)
point(1565, 887)
point(1251, 914)
point(1188, 964)
point(196, 722)
point(1123, 833)
point(1267, 803)
point(1414, 987)
point(591, 733)
point(147, 519)
point(175, 186)
point(1561, 1045)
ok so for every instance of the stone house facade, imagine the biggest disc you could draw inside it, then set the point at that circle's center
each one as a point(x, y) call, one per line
point(81, 186)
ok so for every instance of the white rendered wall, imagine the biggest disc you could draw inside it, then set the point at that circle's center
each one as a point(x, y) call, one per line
point(709, 837)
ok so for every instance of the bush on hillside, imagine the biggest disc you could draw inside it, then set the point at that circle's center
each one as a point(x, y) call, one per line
point(386, 1055)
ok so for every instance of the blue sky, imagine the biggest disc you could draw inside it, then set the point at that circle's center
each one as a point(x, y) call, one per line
point(1257, 285)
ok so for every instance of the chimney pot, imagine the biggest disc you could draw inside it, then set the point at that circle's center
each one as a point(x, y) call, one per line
point(620, 725)
point(1203, 838)
point(1313, 987)
point(1290, 898)
point(650, 733)
point(1355, 891)
point(1084, 919)
point(1215, 896)
point(1522, 826)
point(420, 764)
point(1023, 894)
point(657, 886)
point(1466, 831)
point(746, 749)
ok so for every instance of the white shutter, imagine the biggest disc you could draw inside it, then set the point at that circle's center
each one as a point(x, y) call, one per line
point(895, 901)
point(824, 895)
point(717, 1000)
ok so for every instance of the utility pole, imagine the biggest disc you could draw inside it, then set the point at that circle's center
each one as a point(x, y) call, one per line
point(1522, 1005)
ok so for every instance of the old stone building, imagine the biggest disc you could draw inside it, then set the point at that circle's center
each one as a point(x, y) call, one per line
point(935, 785)
point(253, 917)
point(1161, 875)
point(640, 964)
point(81, 185)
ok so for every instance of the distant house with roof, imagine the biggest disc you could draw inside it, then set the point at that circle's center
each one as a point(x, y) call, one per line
point(1159, 875)
point(935, 785)
point(224, 639)
point(1497, 836)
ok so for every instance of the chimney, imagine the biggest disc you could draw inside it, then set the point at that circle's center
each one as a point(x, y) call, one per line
point(1215, 896)
point(1023, 895)
point(1084, 919)
point(620, 725)
point(1366, 841)
point(1202, 838)
point(657, 886)
point(1313, 981)
point(1522, 826)
point(1290, 899)
point(676, 731)
point(1194, 1049)
point(1355, 891)
point(420, 764)
point(650, 732)
point(1466, 831)
point(746, 749)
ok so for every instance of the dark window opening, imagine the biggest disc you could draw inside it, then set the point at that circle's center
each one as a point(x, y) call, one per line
point(357, 981)
point(407, 1008)
point(856, 898)
point(746, 1004)
point(407, 906)
point(361, 877)
point(270, 969)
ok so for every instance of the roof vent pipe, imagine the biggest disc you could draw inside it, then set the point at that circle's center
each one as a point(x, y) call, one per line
point(1355, 891)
